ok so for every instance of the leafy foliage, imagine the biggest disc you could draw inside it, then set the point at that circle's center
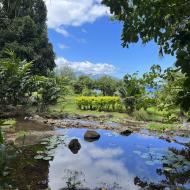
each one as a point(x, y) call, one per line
point(132, 92)
point(165, 22)
point(107, 85)
point(18, 86)
point(23, 30)
point(47, 92)
point(100, 103)
point(168, 95)
point(82, 83)
point(15, 80)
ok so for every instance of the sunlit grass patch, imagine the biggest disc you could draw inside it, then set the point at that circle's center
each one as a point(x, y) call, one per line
point(160, 126)
point(8, 122)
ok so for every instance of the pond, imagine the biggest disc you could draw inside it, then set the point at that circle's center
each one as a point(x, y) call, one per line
point(113, 162)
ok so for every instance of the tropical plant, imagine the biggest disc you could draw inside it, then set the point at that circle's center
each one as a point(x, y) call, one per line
point(132, 92)
point(15, 80)
point(18, 86)
point(46, 92)
point(165, 22)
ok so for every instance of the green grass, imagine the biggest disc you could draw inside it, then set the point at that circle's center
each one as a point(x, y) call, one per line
point(160, 126)
point(68, 105)
point(8, 122)
point(155, 111)
point(143, 115)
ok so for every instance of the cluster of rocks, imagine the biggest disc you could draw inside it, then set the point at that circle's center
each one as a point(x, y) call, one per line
point(80, 123)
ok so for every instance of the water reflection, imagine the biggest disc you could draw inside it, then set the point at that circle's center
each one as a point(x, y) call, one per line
point(74, 146)
point(100, 167)
point(175, 168)
point(114, 162)
point(23, 172)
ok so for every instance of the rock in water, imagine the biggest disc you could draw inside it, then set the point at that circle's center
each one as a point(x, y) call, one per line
point(74, 146)
point(91, 136)
point(126, 132)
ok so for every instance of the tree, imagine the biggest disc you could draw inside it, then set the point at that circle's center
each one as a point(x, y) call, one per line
point(165, 22)
point(168, 95)
point(82, 83)
point(23, 29)
point(132, 92)
point(107, 85)
point(67, 73)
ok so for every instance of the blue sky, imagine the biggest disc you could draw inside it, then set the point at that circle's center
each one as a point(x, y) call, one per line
point(91, 42)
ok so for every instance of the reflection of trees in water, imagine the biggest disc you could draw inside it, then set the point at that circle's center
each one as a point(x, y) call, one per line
point(176, 171)
point(75, 180)
point(24, 172)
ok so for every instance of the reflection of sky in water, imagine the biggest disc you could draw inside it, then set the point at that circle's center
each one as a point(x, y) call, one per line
point(109, 160)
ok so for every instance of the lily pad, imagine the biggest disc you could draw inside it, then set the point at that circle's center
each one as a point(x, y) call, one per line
point(47, 158)
point(38, 157)
point(167, 169)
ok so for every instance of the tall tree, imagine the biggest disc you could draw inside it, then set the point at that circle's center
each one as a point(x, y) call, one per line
point(165, 22)
point(107, 85)
point(23, 29)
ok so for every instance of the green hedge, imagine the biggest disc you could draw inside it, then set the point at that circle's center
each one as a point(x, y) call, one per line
point(100, 103)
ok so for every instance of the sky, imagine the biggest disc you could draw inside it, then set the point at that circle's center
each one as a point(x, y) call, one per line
point(84, 38)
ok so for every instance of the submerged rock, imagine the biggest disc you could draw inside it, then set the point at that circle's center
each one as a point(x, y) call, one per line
point(74, 146)
point(91, 136)
point(126, 132)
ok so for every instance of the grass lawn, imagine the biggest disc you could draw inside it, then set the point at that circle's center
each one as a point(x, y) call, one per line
point(68, 105)
point(160, 127)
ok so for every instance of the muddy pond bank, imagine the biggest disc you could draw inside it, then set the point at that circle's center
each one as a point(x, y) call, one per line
point(125, 127)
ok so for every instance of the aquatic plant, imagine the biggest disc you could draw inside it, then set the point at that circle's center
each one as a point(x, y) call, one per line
point(50, 144)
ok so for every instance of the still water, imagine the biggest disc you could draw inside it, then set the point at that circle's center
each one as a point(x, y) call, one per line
point(113, 162)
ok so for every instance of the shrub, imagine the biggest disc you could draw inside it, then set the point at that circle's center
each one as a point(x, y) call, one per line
point(100, 103)
point(142, 115)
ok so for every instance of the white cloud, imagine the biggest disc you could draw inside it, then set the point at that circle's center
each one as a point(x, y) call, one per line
point(63, 13)
point(63, 46)
point(62, 31)
point(86, 67)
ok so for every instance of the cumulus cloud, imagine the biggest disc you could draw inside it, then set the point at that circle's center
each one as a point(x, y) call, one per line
point(86, 67)
point(63, 13)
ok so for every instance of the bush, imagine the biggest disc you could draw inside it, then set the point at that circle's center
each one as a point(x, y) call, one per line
point(141, 115)
point(100, 103)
